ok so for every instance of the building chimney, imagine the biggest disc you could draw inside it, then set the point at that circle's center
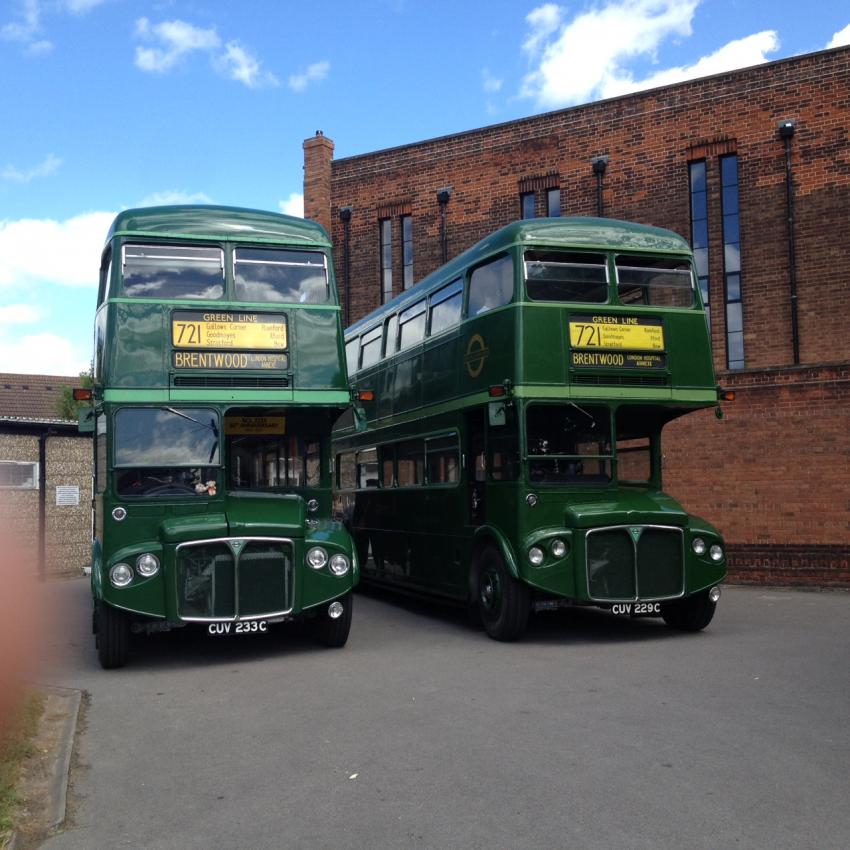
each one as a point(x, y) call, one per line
point(318, 155)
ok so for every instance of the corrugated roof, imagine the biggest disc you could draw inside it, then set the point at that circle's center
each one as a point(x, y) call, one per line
point(32, 397)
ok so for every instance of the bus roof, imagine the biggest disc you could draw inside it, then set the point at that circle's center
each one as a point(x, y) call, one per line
point(218, 223)
point(601, 234)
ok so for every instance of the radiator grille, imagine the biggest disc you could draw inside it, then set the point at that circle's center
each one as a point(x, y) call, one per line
point(626, 563)
point(229, 579)
point(623, 380)
point(243, 381)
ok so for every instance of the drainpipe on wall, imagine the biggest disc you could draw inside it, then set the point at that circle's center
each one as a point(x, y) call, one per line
point(345, 218)
point(443, 196)
point(786, 133)
point(42, 500)
point(599, 163)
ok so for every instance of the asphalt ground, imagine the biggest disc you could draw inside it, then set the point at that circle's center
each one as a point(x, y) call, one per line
point(593, 731)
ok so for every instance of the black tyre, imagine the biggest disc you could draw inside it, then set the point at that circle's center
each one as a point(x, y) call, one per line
point(689, 615)
point(334, 632)
point(502, 601)
point(112, 637)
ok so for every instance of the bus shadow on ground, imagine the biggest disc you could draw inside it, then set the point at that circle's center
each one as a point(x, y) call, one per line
point(572, 626)
point(192, 646)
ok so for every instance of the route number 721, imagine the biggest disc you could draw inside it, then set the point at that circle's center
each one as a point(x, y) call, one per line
point(587, 337)
point(187, 333)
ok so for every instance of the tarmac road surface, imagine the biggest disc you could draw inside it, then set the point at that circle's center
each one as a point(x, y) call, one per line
point(593, 731)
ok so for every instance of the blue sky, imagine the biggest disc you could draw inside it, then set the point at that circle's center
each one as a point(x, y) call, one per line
point(109, 104)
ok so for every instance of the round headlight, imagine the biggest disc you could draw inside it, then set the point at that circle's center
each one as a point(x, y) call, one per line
point(317, 557)
point(559, 548)
point(335, 610)
point(121, 575)
point(339, 565)
point(699, 545)
point(147, 564)
point(716, 553)
point(714, 594)
point(536, 555)
point(313, 506)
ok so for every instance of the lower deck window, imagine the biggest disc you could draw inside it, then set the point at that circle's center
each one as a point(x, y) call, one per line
point(258, 463)
point(568, 443)
point(166, 451)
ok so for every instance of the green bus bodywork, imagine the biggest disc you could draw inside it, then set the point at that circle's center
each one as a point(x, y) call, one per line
point(512, 458)
point(212, 452)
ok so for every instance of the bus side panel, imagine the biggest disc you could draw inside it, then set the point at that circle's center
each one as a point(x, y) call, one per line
point(136, 354)
point(440, 372)
point(543, 363)
point(317, 350)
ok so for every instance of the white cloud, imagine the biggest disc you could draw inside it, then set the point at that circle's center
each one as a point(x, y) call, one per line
point(80, 7)
point(490, 83)
point(19, 314)
point(173, 196)
point(175, 39)
point(240, 65)
point(171, 41)
point(42, 354)
point(315, 73)
point(579, 60)
point(542, 22)
point(840, 38)
point(50, 165)
point(42, 251)
point(293, 205)
point(740, 53)
point(26, 28)
point(587, 57)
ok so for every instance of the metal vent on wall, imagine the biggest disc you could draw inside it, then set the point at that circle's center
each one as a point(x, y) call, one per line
point(246, 381)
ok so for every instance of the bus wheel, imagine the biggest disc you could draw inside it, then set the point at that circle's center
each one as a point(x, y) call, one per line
point(332, 631)
point(502, 601)
point(113, 634)
point(689, 615)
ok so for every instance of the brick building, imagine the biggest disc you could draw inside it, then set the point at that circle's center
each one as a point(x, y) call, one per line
point(753, 167)
point(45, 475)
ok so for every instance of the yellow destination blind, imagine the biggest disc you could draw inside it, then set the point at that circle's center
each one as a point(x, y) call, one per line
point(254, 425)
point(230, 331)
point(630, 333)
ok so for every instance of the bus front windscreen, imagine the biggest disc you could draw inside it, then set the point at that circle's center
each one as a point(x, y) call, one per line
point(166, 451)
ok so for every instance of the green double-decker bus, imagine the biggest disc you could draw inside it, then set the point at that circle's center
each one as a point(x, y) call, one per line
point(218, 374)
point(515, 400)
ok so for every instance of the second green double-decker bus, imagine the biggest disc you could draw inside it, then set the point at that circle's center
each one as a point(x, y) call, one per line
point(515, 400)
point(218, 376)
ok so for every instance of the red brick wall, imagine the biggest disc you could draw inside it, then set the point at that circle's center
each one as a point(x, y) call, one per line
point(799, 424)
point(773, 474)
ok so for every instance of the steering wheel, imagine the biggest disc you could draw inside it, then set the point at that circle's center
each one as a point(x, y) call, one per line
point(174, 488)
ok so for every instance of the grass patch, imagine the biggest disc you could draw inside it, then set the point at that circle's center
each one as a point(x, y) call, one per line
point(15, 747)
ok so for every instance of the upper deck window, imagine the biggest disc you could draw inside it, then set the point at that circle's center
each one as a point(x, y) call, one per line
point(411, 325)
point(446, 306)
point(352, 347)
point(173, 271)
point(491, 285)
point(280, 275)
point(370, 347)
point(565, 276)
point(655, 281)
